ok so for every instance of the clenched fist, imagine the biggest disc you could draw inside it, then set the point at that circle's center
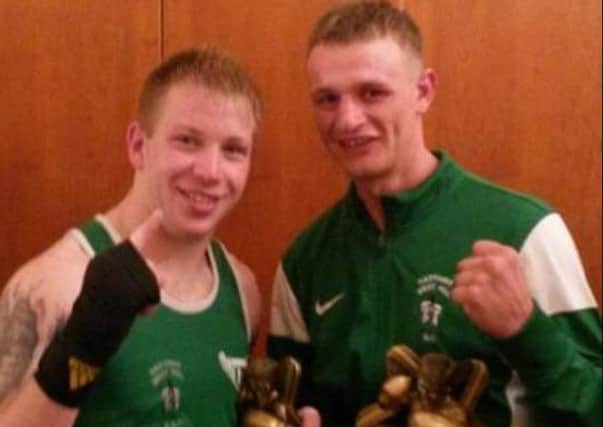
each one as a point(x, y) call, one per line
point(491, 288)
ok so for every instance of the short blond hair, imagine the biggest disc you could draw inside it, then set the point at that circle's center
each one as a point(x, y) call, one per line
point(206, 66)
point(367, 20)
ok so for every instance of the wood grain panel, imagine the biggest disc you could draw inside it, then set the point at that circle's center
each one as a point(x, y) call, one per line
point(519, 101)
point(70, 73)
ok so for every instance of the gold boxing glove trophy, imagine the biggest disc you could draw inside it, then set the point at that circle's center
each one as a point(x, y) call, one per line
point(268, 391)
point(430, 391)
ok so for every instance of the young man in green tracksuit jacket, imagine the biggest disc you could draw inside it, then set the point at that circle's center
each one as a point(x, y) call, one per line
point(422, 253)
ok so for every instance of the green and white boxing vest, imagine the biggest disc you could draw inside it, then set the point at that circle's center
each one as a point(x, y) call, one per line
point(176, 368)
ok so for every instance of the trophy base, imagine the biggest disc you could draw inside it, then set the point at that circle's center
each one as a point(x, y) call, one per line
point(426, 419)
point(257, 418)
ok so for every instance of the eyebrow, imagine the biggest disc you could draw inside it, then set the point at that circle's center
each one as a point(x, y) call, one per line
point(321, 91)
point(187, 128)
point(356, 85)
point(200, 134)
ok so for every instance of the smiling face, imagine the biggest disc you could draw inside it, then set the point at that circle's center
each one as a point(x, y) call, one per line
point(368, 99)
point(196, 163)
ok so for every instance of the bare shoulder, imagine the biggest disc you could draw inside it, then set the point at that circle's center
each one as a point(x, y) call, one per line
point(34, 304)
point(54, 276)
point(246, 275)
point(248, 288)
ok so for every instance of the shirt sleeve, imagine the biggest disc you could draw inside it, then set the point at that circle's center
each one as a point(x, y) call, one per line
point(557, 355)
point(288, 334)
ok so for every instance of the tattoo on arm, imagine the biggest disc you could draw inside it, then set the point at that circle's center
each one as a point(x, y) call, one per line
point(18, 340)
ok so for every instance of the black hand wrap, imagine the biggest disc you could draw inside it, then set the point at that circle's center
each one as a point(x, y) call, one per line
point(118, 284)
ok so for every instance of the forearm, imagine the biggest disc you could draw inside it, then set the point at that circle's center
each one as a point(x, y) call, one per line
point(289, 335)
point(279, 347)
point(30, 407)
point(29, 315)
point(558, 356)
point(561, 372)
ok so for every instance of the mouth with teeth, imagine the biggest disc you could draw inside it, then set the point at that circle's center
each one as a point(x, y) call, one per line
point(354, 145)
point(200, 201)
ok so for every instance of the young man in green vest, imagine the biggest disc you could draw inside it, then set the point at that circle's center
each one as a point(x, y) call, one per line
point(420, 252)
point(74, 349)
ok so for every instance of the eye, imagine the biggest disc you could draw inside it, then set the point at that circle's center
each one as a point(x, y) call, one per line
point(325, 99)
point(236, 150)
point(187, 141)
point(373, 94)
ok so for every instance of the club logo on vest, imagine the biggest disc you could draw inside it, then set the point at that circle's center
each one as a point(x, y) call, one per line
point(232, 367)
point(431, 288)
point(167, 375)
point(430, 313)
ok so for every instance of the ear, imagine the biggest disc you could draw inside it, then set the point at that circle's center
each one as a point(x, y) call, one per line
point(426, 86)
point(135, 139)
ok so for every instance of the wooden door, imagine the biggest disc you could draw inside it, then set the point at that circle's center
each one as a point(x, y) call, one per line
point(70, 73)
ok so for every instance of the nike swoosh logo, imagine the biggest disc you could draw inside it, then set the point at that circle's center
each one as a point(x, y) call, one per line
point(322, 309)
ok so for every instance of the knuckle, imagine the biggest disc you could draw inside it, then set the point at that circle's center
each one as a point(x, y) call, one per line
point(495, 264)
point(486, 279)
point(474, 292)
point(465, 295)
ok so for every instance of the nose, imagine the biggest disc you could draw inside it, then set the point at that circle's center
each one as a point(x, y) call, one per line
point(207, 165)
point(349, 116)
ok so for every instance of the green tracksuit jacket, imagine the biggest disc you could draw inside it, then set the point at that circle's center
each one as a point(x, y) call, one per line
point(346, 292)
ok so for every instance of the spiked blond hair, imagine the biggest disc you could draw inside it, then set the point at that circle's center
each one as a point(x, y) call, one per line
point(208, 67)
point(366, 20)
